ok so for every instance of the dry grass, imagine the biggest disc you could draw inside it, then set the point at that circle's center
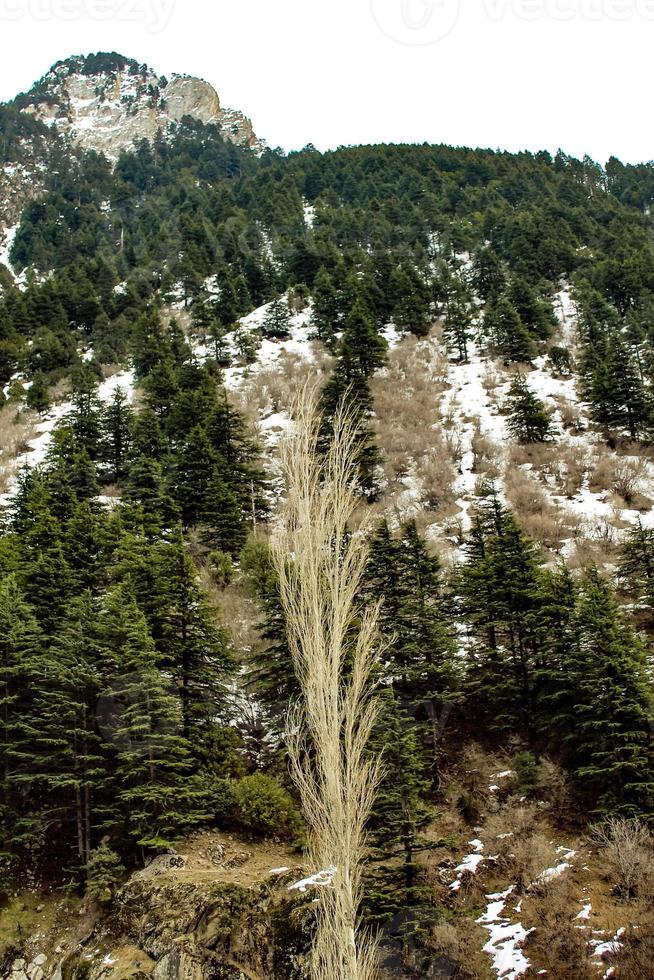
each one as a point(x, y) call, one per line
point(486, 453)
point(16, 430)
point(624, 475)
point(320, 565)
point(571, 414)
point(629, 851)
point(539, 518)
point(407, 397)
point(273, 388)
point(557, 942)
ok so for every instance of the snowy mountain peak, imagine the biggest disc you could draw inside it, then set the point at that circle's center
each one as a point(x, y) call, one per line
point(107, 103)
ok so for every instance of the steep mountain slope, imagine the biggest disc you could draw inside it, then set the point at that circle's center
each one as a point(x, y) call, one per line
point(489, 317)
point(108, 103)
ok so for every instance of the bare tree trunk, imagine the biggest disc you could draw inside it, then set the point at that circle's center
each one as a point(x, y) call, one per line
point(320, 561)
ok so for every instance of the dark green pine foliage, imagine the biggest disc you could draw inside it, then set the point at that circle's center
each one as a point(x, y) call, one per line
point(21, 647)
point(276, 324)
point(637, 563)
point(362, 351)
point(501, 600)
point(506, 331)
point(536, 313)
point(608, 731)
point(619, 395)
point(151, 791)
point(489, 277)
point(395, 887)
point(272, 675)
point(221, 519)
point(527, 417)
point(555, 624)
point(85, 418)
point(420, 655)
point(327, 312)
point(117, 421)
point(189, 645)
point(457, 311)
point(45, 574)
point(69, 753)
point(38, 396)
point(411, 312)
point(191, 475)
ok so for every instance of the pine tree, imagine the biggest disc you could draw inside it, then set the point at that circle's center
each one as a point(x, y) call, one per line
point(420, 655)
point(488, 276)
point(222, 521)
point(46, 576)
point(536, 313)
point(527, 418)
point(68, 750)
point(507, 332)
point(272, 675)
point(38, 396)
point(154, 793)
point(607, 732)
point(619, 396)
point(458, 312)
point(276, 324)
point(117, 424)
point(637, 564)
point(21, 644)
point(85, 418)
point(191, 475)
point(188, 643)
point(400, 813)
point(327, 312)
point(501, 600)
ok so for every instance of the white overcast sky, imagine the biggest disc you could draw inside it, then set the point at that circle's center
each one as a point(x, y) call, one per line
point(514, 74)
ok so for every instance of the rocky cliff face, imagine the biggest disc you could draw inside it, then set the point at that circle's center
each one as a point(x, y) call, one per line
point(218, 909)
point(108, 103)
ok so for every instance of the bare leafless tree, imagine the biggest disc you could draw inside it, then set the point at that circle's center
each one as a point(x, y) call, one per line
point(320, 559)
point(627, 844)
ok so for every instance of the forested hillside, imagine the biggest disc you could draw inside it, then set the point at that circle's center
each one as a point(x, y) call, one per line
point(488, 317)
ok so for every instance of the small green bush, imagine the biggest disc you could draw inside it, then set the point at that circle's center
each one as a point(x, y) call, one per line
point(103, 873)
point(264, 809)
point(222, 568)
point(526, 769)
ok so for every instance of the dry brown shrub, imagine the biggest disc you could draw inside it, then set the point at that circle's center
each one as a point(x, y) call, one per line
point(408, 420)
point(16, 430)
point(637, 955)
point(486, 453)
point(476, 766)
point(570, 412)
point(619, 474)
point(539, 518)
point(456, 948)
point(556, 942)
point(273, 388)
point(569, 468)
point(629, 849)
point(437, 477)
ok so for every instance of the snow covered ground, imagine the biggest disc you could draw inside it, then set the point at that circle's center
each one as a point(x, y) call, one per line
point(6, 241)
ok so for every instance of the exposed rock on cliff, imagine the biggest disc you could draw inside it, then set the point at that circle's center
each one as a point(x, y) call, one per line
point(216, 909)
point(108, 103)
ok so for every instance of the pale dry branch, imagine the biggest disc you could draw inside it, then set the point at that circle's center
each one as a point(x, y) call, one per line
point(320, 561)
